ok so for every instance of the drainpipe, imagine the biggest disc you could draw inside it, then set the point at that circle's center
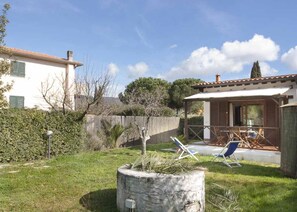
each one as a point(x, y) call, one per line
point(69, 58)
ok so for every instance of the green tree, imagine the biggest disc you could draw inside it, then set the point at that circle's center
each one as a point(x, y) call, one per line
point(144, 85)
point(151, 102)
point(180, 89)
point(149, 94)
point(256, 70)
point(4, 64)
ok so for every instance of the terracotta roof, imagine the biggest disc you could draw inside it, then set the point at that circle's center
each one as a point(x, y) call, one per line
point(41, 56)
point(247, 81)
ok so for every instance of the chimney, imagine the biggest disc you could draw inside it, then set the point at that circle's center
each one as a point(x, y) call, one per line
point(69, 55)
point(218, 78)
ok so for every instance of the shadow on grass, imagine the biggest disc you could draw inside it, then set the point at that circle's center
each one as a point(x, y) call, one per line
point(246, 169)
point(101, 200)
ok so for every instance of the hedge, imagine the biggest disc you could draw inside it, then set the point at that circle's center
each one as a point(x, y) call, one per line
point(23, 134)
point(138, 110)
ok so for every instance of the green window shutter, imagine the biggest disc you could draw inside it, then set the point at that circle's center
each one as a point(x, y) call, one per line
point(16, 101)
point(12, 101)
point(21, 69)
point(18, 69)
point(13, 68)
point(20, 102)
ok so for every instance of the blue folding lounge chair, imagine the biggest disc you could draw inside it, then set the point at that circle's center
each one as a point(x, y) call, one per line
point(228, 154)
point(185, 151)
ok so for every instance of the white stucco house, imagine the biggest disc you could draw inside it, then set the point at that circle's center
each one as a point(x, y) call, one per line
point(32, 72)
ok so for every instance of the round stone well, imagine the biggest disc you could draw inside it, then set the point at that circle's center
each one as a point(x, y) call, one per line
point(143, 191)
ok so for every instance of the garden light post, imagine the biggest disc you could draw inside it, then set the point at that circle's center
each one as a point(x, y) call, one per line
point(49, 134)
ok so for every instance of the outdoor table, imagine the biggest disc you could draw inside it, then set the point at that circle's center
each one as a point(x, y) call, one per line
point(232, 133)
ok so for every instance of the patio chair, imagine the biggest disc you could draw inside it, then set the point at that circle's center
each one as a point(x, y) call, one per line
point(240, 135)
point(219, 138)
point(255, 138)
point(185, 150)
point(227, 154)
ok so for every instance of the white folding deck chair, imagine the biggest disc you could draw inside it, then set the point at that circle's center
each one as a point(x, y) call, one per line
point(228, 153)
point(185, 151)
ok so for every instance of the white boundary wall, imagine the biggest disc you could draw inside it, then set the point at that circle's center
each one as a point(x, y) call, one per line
point(160, 128)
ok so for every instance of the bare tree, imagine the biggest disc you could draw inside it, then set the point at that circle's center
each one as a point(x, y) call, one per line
point(151, 103)
point(91, 91)
point(57, 95)
point(87, 93)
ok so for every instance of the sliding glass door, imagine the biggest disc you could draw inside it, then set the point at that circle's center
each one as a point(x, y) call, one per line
point(245, 114)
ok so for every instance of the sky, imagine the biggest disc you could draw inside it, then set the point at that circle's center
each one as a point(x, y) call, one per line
point(168, 39)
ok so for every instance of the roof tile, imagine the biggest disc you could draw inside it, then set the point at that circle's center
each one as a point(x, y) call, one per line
point(246, 80)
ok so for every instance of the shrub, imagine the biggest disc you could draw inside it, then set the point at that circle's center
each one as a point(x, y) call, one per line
point(94, 142)
point(138, 110)
point(23, 134)
point(130, 110)
point(166, 111)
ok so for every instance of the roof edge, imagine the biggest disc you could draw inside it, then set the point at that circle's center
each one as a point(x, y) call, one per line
point(264, 92)
point(36, 55)
point(247, 81)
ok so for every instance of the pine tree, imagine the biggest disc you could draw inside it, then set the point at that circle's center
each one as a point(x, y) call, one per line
point(256, 70)
point(4, 64)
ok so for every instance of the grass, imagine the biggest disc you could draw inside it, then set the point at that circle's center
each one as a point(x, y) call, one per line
point(87, 182)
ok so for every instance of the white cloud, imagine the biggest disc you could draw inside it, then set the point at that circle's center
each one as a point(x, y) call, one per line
point(290, 58)
point(231, 58)
point(257, 48)
point(142, 37)
point(138, 70)
point(112, 69)
point(173, 46)
point(160, 76)
point(266, 70)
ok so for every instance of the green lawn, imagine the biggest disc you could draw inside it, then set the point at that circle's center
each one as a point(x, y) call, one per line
point(87, 181)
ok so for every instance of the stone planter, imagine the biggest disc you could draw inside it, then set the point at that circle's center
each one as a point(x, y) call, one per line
point(160, 192)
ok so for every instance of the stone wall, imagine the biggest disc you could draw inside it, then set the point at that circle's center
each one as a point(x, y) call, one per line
point(161, 192)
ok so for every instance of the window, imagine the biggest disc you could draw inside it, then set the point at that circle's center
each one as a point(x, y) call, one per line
point(249, 115)
point(16, 101)
point(17, 69)
point(254, 115)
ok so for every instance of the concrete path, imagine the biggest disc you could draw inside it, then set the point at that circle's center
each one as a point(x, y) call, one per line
point(264, 156)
